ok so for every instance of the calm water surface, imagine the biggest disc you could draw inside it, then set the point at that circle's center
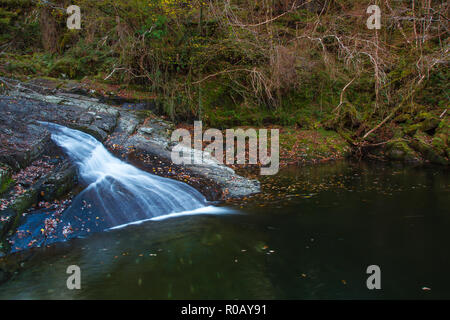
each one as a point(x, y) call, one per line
point(310, 235)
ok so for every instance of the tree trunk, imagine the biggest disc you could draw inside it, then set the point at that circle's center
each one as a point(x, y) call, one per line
point(49, 30)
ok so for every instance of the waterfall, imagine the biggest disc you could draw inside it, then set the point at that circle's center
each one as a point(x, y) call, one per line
point(116, 195)
point(116, 190)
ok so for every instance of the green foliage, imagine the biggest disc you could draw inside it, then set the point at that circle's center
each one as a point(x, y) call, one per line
point(437, 89)
point(15, 30)
point(201, 64)
point(81, 60)
point(154, 29)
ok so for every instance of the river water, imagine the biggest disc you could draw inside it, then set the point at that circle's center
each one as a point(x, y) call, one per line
point(311, 234)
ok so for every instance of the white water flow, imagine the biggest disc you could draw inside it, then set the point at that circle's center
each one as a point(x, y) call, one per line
point(118, 192)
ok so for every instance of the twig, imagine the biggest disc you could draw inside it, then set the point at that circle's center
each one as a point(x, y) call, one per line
point(342, 94)
point(114, 70)
point(221, 72)
point(293, 8)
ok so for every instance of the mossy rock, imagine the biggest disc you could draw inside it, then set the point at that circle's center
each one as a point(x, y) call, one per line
point(59, 182)
point(425, 122)
point(400, 151)
point(411, 130)
point(51, 187)
point(429, 124)
point(421, 116)
point(5, 177)
point(405, 117)
point(9, 217)
point(428, 151)
point(25, 201)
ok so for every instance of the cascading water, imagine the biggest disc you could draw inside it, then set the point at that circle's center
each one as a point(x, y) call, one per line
point(117, 194)
point(123, 192)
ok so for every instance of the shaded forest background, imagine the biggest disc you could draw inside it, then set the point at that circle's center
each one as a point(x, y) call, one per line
point(312, 65)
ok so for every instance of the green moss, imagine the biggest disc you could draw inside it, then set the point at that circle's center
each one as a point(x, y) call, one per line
point(313, 144)
point(428, 151)
point(399, 150)
point(405, 117)
point(25, 201)
point(443, 127)
point(411, 130)
point(428, 121)
point(4, 185)
point(440, 143)
point(5, 178)
point(435, 88)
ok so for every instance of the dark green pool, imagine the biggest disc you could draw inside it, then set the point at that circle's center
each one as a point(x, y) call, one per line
point(310, 235)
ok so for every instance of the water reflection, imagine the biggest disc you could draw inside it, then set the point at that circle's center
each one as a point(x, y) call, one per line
point(310, 235)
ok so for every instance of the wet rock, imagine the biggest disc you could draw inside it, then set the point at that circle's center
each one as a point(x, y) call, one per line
point(7, 220)
point(93, 130)
point(212, 172)
point(54, 185)
point(127, 124)
point(25, 201)
point(146, 130)
point(428, 122)
point(86, 119)
point(21, 143)
point(60, 182)
point(107, 123)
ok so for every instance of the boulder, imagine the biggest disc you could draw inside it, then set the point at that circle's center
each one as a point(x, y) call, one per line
point(400, 151)
point(428, 151)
